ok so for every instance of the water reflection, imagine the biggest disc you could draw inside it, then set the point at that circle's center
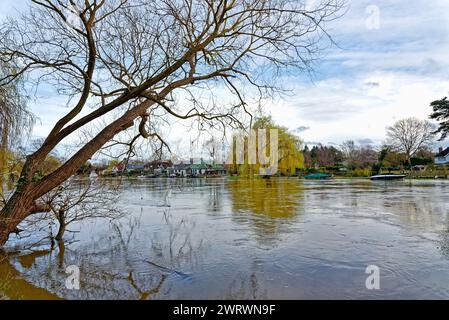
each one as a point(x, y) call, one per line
point(110, 268)
point(268, 206)
point(247, 239)
point(272, 198)
point(12, 283)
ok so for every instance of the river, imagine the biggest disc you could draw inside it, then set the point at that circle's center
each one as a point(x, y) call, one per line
point(225, 238)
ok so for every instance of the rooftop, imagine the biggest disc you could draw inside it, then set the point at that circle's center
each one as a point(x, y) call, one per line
point(443, 153)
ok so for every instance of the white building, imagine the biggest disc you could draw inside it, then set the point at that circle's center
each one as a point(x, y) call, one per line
point(442, 157)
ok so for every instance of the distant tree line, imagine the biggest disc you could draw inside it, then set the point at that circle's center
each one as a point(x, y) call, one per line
point(408, 144)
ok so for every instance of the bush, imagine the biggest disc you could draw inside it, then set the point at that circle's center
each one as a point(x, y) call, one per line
point(361, 173)
point(421, 161)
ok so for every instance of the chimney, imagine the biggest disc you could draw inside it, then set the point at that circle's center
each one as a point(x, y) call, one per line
point(440, 149)
point(191, 160)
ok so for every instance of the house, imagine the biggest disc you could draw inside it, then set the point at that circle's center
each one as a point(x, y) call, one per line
point(159, 167)
point(216, 170)
point(442, 157)
point(119, 168)
point(180, 170)
point(130, 167)
point(197, 168)
point(135, 167)
point(192, 169)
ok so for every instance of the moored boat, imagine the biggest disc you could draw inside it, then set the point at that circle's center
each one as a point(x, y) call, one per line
point(386, 177)
point(318, 176)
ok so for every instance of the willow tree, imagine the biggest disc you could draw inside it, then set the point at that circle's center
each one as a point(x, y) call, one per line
point(290, 156)
point(133, 64)
point(15, 119)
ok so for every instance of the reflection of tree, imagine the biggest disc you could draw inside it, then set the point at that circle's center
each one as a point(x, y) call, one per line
point(249, 286)
point(177, 247)
point(277, 200)
point(119, 265)
point(145, 295)
point(418, 206)
point(14, 286)
point(97, 280)
point(161, 191)
point(418, 213)
point(444, 243)
point(274, 198)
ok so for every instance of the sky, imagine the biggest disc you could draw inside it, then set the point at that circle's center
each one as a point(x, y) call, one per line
point(391, 61)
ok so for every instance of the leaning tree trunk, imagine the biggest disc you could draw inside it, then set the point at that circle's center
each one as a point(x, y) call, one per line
point(24, 203)
point(19, 207)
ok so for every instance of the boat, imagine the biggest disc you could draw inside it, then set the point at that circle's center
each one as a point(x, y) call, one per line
point(387, 177)
point(318, 176)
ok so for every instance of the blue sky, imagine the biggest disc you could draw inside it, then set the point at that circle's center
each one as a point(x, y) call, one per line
point(383, 70)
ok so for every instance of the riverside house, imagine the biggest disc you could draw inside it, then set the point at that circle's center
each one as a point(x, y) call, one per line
point(197, 169)
point(442, 157)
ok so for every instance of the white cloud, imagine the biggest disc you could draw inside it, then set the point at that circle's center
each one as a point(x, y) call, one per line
point(375, 78)
point(337, 109)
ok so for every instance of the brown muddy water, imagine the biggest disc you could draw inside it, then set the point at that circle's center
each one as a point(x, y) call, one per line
point(241, 239)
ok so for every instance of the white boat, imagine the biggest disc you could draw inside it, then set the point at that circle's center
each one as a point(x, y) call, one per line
point(388, 177)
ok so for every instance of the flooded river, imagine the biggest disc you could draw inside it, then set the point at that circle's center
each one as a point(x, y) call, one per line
point(246, 239)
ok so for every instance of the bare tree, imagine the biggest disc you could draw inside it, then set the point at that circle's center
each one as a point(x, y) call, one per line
point(410, 135)
point(129, 62)
point(350, 153)
point(211, 147)
point(367, 156)
point(80, 199)
point(327, 156)
point(357, 156)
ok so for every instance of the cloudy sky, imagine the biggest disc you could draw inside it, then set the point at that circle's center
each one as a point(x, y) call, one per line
point(391, 61)
point(382, 72)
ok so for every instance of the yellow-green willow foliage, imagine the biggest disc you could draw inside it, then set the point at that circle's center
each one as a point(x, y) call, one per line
point(290, 158)
point(11, 165)
point(15, 119)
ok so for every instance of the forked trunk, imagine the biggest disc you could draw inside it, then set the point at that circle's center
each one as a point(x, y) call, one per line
point(19, 207)
point(15, 211)
point(62, 226)
point(23, 202)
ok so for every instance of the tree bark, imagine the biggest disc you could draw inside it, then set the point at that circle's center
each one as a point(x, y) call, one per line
point(62, 226)
point(15, 211)
point(409, 161)
point(21, 205)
